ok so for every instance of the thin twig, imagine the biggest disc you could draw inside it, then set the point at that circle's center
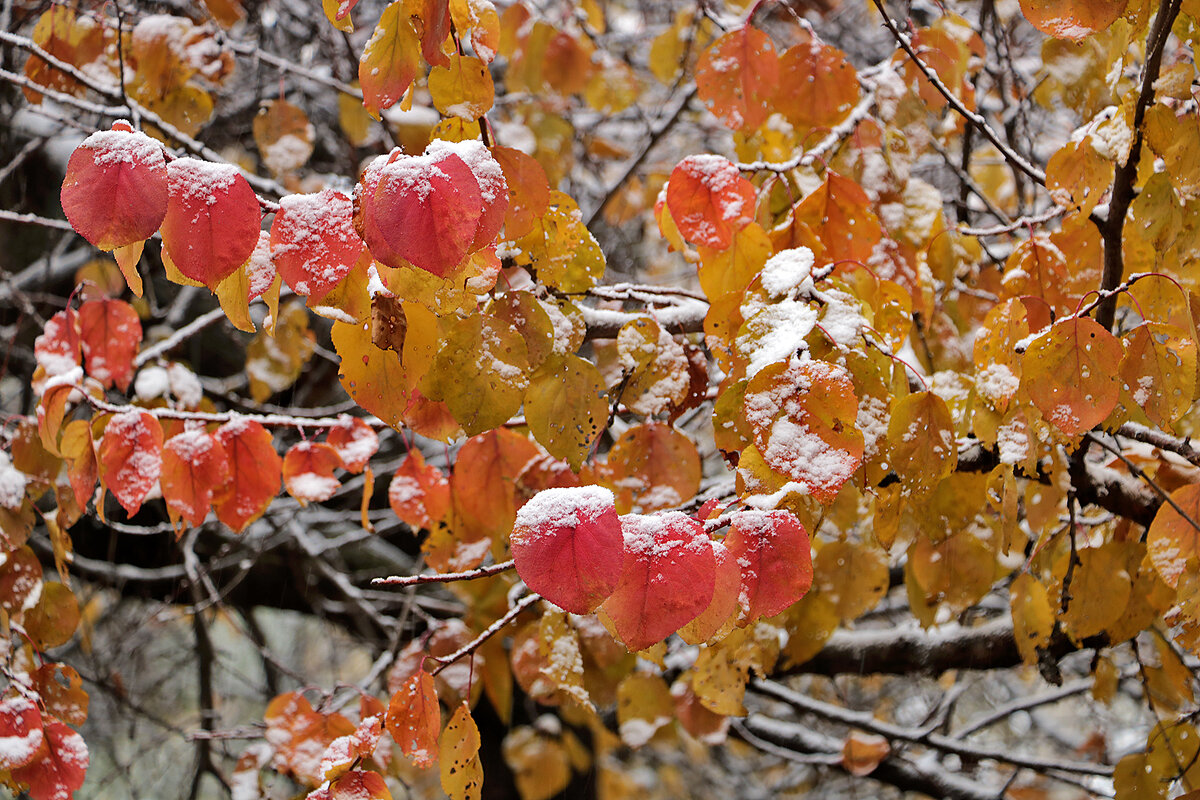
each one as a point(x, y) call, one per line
point(488, 632)
point(178, 337)
point(34, 219)
point(831, 140)
point(444, 577)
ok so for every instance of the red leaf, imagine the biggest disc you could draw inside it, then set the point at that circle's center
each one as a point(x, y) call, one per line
point(772, 549)
point(115, 191)
point(568, 546)
point(419, 493)
point(308, 472)
point(110, 332)
point(709, 200)
point(726, 589)
point(60, 768)
point(58, 348)
point(212, 221)
point(20, 732)
point(667, 577)
point(130, 457)
point(313, 241)
point(355, 442)
point(389, 61)
point(489, 176)
point(254, 473)
point(435, 17)
point(414, 717)
point(195, 465)
point(426, 211)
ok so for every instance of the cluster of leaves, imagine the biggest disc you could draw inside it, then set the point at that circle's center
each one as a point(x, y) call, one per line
point(882, 379)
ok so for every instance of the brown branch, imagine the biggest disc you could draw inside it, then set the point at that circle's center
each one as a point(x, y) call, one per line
point(444, 577)
point(487, 633)
point(1123, 191)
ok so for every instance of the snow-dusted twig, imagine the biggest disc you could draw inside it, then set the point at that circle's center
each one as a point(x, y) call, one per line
point(34, 219)
point(835, 136)
point(487, 633)
point(444, 577)
point(179, 337)
point(1016, 225)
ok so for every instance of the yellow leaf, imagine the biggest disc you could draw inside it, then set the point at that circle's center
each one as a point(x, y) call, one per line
point(561, 249)
point(853, 576)
point(284, 136)
point(921, 434)
point(481, 372)
point(644, 705)
point(372, 377)
point(273, 363)
point(1159, 367)
point(1033, 618)
point(563, 660)
point(565, 407)
point(462, 774)
point(464, 89)
point(540, 765)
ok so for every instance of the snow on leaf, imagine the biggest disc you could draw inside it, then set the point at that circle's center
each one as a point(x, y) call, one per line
point(130, 457)
point(344, 751)
point(60, 767)
point(313, 241)
point(115, 190)
point(463, 88)
point(737, 77)
point(1174, 539)
point(419, 493)
point(308, 472)
point(284, 136)
point(1069, 372)
point(802, 415)
point(20, 731)
point(1072, 19)
point(195, 466)
point(356, 784)
point(355, 442)
point(254, 473)
point(1159, 368)
point(568, 546)
point(644, 705)
point(667, 577)
point(301, 735)
point(772, 550)
point(212, 221)
point(709, 200)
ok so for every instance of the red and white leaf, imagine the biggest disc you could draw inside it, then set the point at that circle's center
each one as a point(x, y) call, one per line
point(115, 190)
point(20, 732)
point(308, 472)
point(212, 222)
point(414, 718)
point(419, 492)
point(195, 466)
point(667, 577)
point(313, 241)
point(130, 457)
point(254, 473)
point(355, 442)
point(773, 552)
point(568, 546)
point(709, 200)
point(110, 333)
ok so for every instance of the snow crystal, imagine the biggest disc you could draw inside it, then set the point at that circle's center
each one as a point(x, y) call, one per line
point(644, 534)
point(722, 179)
point(479, 160)
point(17, 750)
point(787, 271)
point(260, 270)
point(872, 421)
point(12, 483)
point(562, 507)
point(190, 446)
point(841, 320)
point(193, 179)
point(997, 382)
point(185, 385)
point(288, 151)
point(636, 732)
point(151, 382)
point(315, 226)
point(1013, 440)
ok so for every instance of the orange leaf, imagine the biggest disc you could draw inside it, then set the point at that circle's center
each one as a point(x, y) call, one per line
point(284, 136)
point(355, 442)
point(300, 735)
point(653, 466)
point(736, 78)
point(709, 200)
point(1174, 539)
point(839, 213)
point(419, 493)
point(667, 577)
point(354, 785)
point(414, 717)
point(803, 417)
point(130, 457)
point(724, 603)
point(212, 222)
point(254, 473)
point(484, 482)
point(391, 58)
point(195, 466)
point(344, 751)
point(863, 752)
point(822, 86)
point(1072, 19)
point(115, 190)
point(568, 547)
point(528, 190)
point(58, 349)
point(1070, 372)
point(313, 241)
point(921, 435)
point(772, 549)
point(109, 332)
point(308, 472)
